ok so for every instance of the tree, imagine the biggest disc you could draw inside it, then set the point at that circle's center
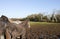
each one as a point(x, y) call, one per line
point(35, 17)
point(58, 16)
point(45, 19)
point(53, 17)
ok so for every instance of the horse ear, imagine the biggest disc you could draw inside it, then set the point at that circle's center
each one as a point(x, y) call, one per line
point(25, 22)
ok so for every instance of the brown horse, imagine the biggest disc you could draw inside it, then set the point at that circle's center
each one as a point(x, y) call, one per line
point(14, 29)
point(2, 25)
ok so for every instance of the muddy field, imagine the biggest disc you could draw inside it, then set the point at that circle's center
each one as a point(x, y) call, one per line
point(43, 31)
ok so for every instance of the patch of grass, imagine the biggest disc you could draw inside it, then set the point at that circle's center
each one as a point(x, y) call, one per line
point(41, 23)
point(44, 27)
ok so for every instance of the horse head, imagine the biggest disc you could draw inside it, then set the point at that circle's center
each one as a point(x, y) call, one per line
point(4, 19)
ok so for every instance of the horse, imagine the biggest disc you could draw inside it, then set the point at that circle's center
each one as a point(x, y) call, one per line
point(14, 29)
point(2, 26)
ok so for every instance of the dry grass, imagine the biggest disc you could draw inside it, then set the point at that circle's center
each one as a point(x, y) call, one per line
point(38, 28)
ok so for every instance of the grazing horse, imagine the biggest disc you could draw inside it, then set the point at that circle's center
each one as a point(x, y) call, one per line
point(15, 30)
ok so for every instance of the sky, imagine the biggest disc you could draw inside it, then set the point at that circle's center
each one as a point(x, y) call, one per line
point(23, 8)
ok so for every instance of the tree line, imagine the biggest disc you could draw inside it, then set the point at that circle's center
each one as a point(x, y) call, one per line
point(54, 17)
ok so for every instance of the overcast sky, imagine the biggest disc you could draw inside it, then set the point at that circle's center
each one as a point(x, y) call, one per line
point(23, 8)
